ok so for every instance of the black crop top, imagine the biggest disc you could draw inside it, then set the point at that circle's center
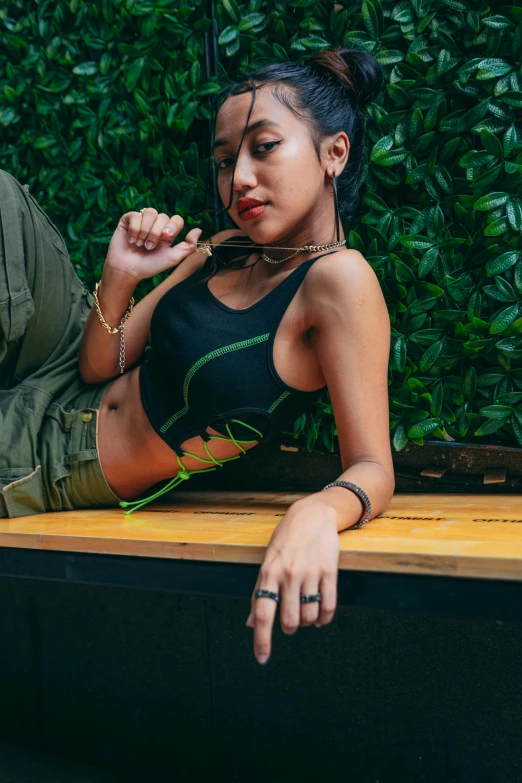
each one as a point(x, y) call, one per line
point(208, 364)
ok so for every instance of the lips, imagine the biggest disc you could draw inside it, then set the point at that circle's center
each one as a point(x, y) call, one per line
point(248, 203)
point(252, 212)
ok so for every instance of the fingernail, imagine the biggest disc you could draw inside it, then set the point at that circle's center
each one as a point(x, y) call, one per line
point(317, 625)
point(131, 240)
point(262, 659)
point(249, 618)
point(139, 242)
point(169, 230)
point(149, 244)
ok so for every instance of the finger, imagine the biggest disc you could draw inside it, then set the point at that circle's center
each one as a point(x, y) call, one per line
point(173, 226)
point(157, 231)
point(193, 236)
point(134, 225)
point(289, 613)
point(310, 612)
point(148, 218)
point(264, 613)
point(181, 251)
point(328, 590)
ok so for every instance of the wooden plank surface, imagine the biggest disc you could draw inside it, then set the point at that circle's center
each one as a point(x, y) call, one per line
point(454, 535)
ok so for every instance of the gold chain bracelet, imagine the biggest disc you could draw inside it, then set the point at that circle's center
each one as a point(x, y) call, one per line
point(114, 329)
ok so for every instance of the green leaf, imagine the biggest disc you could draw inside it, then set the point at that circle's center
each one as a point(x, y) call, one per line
point(389, 57)
point(372, 15)
point(493, 72)
point(427, 262)
point(491, 201)
point(496, 411)
point(416, 242)
point(476, 159)
point(391, 158)
point(490, 426)
point(430, 355)
point(250, 21)
point(504, 319)
point(86, 69)
point(382, 146)
point(510, 140)
point(232, 9)
point(514, 214)
point(228, 35)
point(490, 142)
point(400, 438)
point(423, 428)
point(499, 264)
point(398, 95)
point(497, 227)
point(443, 177)
point(498, 22)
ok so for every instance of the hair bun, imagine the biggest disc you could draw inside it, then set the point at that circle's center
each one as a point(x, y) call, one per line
point(356, 70)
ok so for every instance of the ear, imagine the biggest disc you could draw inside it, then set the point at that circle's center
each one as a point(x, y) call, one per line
point(336, 153)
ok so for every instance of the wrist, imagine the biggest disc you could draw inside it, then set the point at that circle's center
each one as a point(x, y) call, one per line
point(125, 278)
point(115, 291)
point(327, 511)
point(344, 507)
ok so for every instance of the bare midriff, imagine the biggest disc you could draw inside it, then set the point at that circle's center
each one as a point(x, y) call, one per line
point(132, 455)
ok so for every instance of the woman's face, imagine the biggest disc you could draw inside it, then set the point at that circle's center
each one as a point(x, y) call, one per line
point(277, 165)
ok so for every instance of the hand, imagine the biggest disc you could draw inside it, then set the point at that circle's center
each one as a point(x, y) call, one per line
point(302, 557)
point(128, 254)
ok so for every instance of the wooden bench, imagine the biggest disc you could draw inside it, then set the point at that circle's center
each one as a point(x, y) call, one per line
point(159, 678)
point(213, 542)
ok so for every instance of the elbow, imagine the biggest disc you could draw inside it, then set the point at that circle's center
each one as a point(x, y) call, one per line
point(89, 377)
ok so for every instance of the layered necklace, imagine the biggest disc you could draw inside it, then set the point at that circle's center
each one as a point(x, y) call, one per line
point(206, 249)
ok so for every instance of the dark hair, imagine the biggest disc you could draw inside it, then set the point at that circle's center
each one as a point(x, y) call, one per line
point(329, 90)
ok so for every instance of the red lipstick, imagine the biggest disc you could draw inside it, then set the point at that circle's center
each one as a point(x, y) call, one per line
point(250, 208)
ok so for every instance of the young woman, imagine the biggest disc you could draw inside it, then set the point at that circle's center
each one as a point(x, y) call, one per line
point(213, 360)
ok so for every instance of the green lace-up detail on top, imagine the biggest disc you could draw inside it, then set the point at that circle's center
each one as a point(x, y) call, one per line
point(184, 474)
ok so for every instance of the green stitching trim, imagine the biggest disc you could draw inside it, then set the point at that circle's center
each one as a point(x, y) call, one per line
point(279, 399)
point(183, 473)
point(212, 355)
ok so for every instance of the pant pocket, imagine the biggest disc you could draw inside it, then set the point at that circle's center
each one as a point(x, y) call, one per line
point(75, 476)
point(74, 481)
point(25, 495)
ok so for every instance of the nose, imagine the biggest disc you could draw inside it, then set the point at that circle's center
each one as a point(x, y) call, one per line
point(244, 174)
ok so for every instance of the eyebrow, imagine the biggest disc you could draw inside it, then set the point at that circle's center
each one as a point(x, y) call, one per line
point(251, 128)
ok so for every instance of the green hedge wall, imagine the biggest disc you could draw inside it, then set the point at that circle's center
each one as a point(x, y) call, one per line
point(104, 107)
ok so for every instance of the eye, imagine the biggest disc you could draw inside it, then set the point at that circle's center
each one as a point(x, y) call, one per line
point(265, 152)
point(269, 144)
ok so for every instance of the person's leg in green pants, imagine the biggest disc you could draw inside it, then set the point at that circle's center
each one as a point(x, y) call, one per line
point(48, 448)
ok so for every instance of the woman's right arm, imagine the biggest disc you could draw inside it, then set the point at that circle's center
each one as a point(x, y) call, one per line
point(99, 350)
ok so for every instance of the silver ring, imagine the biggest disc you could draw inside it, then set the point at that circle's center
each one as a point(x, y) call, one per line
point(307, 599)
point(267, 594)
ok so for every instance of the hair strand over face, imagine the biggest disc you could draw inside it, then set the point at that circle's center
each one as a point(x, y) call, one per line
point(328, 92)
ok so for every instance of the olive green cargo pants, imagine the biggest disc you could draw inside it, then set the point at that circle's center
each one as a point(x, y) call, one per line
point(48, 415)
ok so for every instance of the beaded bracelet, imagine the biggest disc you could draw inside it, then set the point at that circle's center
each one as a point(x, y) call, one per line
point(363, 496)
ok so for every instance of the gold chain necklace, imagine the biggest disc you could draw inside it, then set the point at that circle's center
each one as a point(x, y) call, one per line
point(206, 249)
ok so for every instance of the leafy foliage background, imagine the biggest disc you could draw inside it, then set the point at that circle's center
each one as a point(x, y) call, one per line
point(104, 107)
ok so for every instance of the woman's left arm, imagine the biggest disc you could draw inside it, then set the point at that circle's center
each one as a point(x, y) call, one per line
point(350, 333)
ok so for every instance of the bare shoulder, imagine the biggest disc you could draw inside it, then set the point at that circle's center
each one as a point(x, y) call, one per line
point(342, 283)
point(338, 267)
point(340, 280)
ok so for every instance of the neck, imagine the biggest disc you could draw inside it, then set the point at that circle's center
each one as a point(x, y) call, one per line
point(271, 251)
